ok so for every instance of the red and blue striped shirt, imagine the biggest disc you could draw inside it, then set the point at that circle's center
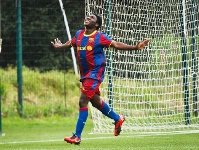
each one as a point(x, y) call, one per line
point(90, 53)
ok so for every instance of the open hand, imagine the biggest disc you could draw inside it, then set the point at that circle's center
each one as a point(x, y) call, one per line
point(142, 44)
point(57, 43)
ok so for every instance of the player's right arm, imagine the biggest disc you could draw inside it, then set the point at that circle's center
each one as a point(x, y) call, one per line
point(58, 45)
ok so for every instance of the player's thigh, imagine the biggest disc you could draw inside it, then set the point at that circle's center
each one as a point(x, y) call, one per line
point(83, 101)
point(90, 87)
point(96, 101)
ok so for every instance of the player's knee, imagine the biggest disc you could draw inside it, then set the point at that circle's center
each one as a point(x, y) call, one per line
point(83, 102)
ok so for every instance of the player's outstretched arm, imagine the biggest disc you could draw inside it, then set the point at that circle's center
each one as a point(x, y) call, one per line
point(58, 45)
point(122, 46)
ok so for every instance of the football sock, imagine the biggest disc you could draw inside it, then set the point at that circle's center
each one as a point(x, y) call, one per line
point(83, 114)
point(107, 111)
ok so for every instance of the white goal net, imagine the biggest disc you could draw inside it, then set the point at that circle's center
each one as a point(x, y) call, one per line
point(155, 88)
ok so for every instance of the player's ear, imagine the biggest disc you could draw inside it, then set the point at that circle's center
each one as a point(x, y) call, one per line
point(96, 25)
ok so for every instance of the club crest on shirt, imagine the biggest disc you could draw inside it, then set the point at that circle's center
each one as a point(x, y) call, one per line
point(91, 40)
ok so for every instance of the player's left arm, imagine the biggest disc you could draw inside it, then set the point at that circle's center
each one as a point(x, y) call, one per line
point(122, 46)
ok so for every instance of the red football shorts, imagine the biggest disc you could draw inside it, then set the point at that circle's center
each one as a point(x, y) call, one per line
point(90, 87)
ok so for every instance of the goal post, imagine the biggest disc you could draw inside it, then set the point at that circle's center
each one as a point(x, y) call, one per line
point(109, 54)
point(155, 88)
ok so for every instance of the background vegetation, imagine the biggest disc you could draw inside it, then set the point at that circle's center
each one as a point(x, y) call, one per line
point(44, 94)
point(49, 84)
point(46, 71)
point(42, 21)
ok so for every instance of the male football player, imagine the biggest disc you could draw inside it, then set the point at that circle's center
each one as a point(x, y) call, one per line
point(92, 62)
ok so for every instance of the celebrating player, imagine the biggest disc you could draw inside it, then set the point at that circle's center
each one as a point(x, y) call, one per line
point(92, 62)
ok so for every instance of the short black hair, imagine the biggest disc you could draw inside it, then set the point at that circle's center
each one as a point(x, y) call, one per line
point(99, 21)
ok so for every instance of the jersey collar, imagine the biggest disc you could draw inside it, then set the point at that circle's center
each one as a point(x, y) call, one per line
point(90, 34)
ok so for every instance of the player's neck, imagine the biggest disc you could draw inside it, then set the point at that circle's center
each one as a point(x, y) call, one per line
point(89, 31)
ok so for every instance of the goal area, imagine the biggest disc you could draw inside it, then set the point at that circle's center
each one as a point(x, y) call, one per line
point(156, 88)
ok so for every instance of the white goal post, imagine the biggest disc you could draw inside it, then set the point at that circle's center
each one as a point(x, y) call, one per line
point(155, 88)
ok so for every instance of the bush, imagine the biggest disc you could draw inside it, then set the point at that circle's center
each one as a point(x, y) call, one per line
point(44, 94)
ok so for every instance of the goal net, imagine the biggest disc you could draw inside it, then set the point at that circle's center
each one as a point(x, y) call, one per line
point(155, 88)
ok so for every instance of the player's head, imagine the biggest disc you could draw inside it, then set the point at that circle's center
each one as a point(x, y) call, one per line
point(99, 21)
point(93, 21)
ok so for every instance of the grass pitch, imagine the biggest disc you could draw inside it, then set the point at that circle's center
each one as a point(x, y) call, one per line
point(48, 133)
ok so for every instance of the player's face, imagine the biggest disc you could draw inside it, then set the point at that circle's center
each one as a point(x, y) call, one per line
point(90, 21)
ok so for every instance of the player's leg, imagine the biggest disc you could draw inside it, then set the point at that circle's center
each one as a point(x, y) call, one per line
point(107, 111)
point(87, 92)
point(83, 114)
point(103, 107)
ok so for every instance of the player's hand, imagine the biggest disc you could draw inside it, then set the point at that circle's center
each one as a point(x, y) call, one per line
point(57, 43)
point(142, 44)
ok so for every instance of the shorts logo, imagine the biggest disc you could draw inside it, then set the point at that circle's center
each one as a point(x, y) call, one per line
point(84, 89)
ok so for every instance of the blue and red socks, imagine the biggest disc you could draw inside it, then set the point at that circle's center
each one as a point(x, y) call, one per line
point(83, 114)
point(107, 111)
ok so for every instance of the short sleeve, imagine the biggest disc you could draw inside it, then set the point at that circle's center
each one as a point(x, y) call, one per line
point(74, 39)
point(73, 42)
point(105, 40)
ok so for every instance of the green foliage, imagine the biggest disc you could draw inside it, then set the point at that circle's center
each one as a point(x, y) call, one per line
point(42, 22)
point(2, 90)
point(44, 94)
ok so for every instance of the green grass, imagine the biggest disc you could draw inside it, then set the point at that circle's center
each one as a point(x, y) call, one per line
point(44, 94)
point(48, 133)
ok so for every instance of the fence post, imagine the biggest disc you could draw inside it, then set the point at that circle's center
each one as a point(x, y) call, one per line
point(0, 109)
point(19, 54)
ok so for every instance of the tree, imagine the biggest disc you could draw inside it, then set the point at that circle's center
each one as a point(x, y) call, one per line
point(42, 21)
